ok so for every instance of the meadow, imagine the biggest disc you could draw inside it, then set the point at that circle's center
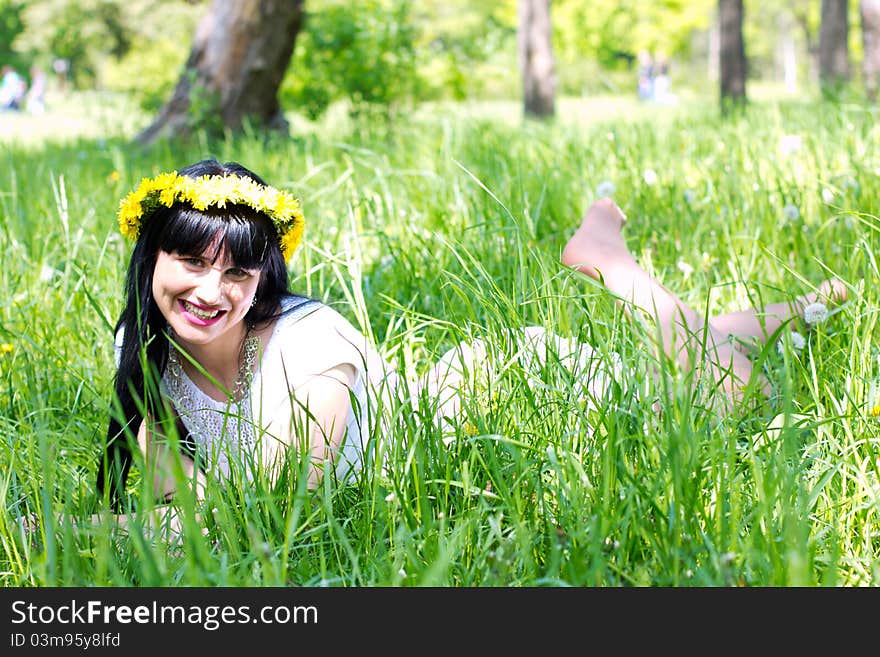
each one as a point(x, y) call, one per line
point(444, 226)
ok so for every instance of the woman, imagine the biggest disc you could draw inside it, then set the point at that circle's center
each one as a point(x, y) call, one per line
point(213, 348)
point(209, 326)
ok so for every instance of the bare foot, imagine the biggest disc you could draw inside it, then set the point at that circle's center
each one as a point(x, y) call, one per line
point(598, 243)
point(832, 292)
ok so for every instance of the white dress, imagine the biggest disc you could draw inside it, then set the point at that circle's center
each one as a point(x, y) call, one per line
point(311, 338)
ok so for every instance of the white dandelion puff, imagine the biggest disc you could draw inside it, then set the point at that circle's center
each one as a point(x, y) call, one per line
point(815, 313)
point(650, 176)
point(605, 188)
point(789, 144)
point(791, 213)
point(827, 195)
point(689, 196)
point(47, 273)
point(798, 342)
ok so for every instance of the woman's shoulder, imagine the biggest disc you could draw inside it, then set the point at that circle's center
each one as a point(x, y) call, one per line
point(301, 314)
point(317, 336)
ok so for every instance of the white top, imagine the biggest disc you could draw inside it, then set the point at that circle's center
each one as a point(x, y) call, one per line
point(309, 339)
point(312, 338)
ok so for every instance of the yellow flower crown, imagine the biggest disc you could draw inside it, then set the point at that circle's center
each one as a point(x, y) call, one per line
point(214, 191)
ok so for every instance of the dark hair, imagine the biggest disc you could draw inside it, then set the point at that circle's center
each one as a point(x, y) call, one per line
point(253, 243)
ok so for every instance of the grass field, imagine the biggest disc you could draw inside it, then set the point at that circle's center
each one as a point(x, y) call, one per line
point(444, 226)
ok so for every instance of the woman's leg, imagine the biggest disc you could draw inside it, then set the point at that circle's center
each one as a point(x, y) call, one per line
point(598, 250)
point(761, 325)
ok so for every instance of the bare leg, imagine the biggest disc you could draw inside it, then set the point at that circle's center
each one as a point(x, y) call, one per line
point(598, 250)
point(761, 325)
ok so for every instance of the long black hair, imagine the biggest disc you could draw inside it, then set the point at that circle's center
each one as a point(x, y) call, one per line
point(252, 242)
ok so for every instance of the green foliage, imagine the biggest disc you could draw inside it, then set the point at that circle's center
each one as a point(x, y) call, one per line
point(613, 32)
point(362, 52)
point(447, 229)
point(10, 27)
point(123, 45)
point(147, 75)
point(466, 49)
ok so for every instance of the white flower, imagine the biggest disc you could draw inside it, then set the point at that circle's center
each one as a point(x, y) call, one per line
point(790, 212)
point(815, 313)
point(650, 176)
point(401, 572)
point(605, 188)
point(827, 195)
point(789, 144)
point(390, 497)
point(684, 268)
point(798, 342)
point(47, 273)
point(689, 196)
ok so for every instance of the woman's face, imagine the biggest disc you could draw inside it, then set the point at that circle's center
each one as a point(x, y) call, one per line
point(203, 300)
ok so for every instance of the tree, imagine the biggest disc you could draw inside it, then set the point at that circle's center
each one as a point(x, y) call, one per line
point(536, 61)
point(733, 54)
point(870, 15)
point(240, 52)
point(363, 52)
point(833, 46)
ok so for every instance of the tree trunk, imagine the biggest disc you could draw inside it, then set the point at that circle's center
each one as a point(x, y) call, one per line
point(733, 53)
point(833, 45)
point(870, 14)
point(239, 55)
point(536, 58)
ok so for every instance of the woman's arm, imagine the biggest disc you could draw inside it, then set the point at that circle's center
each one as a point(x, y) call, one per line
point(319, 414)
point(166, 468)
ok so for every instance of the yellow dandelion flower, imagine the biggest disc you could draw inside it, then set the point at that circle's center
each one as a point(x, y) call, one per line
point(213, 191)
point(168, 189)
point(6, 348)
point(286, 206)
point(875, 412)
point(129, 216)
point(290, 240)
point(114, 176)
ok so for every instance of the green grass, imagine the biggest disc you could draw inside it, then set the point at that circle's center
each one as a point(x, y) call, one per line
point(445, 227)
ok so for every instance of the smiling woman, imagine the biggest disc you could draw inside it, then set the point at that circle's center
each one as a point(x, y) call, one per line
point(208, 313)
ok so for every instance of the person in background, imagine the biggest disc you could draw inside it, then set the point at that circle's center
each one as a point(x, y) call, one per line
point(12, 89)
point(35, 100)
point(646, 76)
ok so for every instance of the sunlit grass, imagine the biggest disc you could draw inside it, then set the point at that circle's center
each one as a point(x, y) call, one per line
point(444, 227)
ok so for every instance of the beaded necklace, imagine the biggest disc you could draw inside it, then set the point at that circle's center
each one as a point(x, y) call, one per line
point(242, 385)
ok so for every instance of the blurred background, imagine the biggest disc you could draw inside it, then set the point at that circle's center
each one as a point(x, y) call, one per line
point(74, 62)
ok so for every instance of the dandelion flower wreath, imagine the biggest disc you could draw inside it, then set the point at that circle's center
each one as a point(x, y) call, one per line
point(214, 191)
